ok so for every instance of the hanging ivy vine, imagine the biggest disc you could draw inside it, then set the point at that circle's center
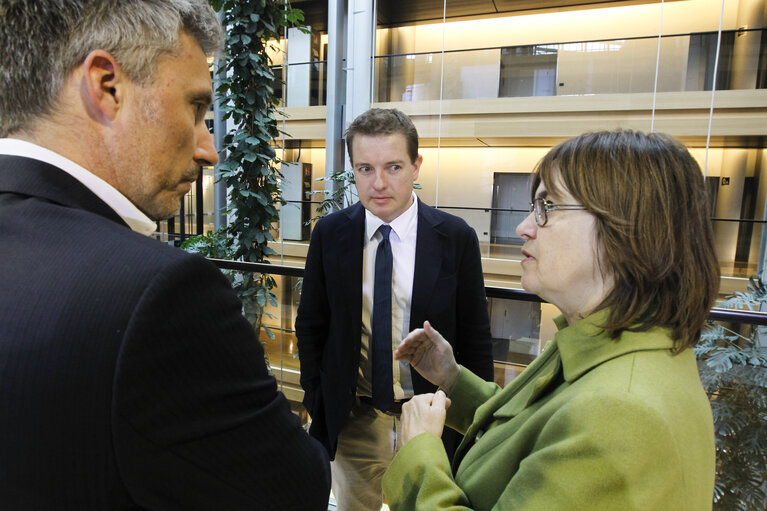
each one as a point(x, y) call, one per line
point(250, 171)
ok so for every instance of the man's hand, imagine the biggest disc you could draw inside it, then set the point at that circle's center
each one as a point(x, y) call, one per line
point(424, 413)
point(431, 355)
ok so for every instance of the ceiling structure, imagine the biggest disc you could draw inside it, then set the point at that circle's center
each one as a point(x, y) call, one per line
point(405, 12)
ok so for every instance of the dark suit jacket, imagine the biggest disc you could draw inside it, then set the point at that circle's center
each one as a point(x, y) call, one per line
point(448, 290)
point(128, 377)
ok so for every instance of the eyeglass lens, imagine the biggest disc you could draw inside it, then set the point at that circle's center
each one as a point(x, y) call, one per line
point(540, 211)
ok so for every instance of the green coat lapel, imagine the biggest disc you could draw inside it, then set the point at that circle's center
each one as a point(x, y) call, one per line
point(522, 391)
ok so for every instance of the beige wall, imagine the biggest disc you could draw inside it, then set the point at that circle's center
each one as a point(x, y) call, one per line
point(620, 22)
point(468, 75)
point(463, 177)
point(622, 66)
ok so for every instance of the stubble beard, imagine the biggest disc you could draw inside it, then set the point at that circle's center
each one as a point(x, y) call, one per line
point(152, 197)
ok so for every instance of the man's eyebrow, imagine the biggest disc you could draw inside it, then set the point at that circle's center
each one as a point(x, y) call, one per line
point(365, 164)
point(203, 97)
point(543, 194)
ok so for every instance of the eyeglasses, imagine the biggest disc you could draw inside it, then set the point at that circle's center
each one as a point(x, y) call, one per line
point(541, 208)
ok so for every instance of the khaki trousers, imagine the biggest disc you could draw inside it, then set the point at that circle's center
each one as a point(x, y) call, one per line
point(366, 445)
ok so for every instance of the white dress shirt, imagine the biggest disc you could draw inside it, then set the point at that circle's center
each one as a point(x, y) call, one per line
point(402, 238)
point(132, 216)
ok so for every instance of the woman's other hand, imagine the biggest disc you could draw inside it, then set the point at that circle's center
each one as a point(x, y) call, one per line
point(424, 413)
point(431, 355)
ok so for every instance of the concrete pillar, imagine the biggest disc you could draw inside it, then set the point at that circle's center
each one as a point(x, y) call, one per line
point(336, 83)
point(359, 62)
point(298, 69)
point(359, 58)
point(761, 213)
point(219, 130)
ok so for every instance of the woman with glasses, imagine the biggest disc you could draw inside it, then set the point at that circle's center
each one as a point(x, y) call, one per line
point(612, 414)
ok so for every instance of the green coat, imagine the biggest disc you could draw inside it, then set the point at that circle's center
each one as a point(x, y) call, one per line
point(591, 424)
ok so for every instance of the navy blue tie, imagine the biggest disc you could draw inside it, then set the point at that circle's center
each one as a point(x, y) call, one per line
point(383, 392)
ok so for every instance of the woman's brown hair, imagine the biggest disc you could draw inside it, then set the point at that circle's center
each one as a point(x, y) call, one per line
point(653, 227)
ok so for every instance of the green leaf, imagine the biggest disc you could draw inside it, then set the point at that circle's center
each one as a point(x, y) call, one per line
point(261, 199)
point(245, 92)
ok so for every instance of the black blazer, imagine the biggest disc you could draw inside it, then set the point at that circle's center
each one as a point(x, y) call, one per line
point(128, 377)
point(448, 290)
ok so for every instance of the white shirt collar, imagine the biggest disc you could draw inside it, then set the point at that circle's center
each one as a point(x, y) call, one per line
point(400, 225)
point(132, 216)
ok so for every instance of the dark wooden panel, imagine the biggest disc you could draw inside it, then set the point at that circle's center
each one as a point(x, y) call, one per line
point(315, 13)
point(397, 12)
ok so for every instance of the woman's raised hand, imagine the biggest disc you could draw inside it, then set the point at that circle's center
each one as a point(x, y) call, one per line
point(431, 355)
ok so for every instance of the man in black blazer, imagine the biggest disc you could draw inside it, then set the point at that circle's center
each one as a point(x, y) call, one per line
point(437, 276)
point(129, 378)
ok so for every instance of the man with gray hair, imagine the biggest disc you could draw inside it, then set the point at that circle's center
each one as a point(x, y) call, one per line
point(130, 379)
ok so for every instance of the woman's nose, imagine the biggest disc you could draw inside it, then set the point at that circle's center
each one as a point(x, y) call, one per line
point(527, 228)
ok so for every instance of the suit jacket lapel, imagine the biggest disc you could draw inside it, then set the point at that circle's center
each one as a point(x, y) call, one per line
point(428, 261)
point(348, 252)
point(27, 176)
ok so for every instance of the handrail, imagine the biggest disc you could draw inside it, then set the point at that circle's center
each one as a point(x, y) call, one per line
point(273, 269)
point(543, 45)
point(527, 211)
point(716, 314)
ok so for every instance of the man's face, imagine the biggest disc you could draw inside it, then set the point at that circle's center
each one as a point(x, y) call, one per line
point(384, 174)
point(166, 141)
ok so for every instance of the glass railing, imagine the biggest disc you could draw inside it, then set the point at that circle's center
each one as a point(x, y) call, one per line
point(519, 320)
point(738, 244)
point(684, 63)
point(305, 83)
point(738, 241)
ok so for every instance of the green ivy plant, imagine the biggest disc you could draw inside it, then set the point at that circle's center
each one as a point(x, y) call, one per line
point(251, 168)
point(343, 194)
point(733, 369)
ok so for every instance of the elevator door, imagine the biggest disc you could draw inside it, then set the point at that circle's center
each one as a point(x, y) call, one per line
point(511, 196)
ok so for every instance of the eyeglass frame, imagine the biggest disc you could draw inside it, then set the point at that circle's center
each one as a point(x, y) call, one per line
point(550, 206)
